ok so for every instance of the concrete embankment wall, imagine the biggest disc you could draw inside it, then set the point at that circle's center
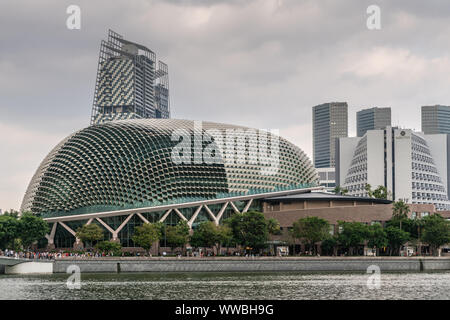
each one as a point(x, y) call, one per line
point(251, 265)
point(29, 268)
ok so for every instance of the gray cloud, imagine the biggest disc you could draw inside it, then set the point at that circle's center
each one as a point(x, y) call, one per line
point(260, 63)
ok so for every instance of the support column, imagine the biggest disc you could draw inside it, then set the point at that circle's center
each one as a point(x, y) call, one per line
point(78, 244)
point(51, 237)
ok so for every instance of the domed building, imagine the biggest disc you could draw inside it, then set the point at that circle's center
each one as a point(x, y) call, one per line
point(121, 174)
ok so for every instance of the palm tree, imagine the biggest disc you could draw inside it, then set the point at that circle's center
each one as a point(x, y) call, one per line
point(400, 211)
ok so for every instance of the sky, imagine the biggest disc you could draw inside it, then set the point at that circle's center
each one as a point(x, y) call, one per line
point(257, 63)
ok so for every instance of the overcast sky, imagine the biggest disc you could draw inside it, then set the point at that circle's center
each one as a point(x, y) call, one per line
point(261, 63)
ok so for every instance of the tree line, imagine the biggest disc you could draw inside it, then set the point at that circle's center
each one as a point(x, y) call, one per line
point(19, 232)
point(250, 230)
point(432, 230)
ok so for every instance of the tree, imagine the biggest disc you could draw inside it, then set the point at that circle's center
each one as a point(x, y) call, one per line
point(436, 231)
point(377, 237)
point(145, 235)
point(329, 246)
point(110, 247)
point(340, 190)
point(89, 233)
point(380, 192)
point(178, 235)
point(9, 230)
point(206, 235)
point(31, 228)
point(311, 230)
point(400, 211)
point(273, 226)
point(418, 225)
point(250, 229)
point(368, 189)
point(226, 236)
point(352, 234)
point(396, 238)
point(12, 213)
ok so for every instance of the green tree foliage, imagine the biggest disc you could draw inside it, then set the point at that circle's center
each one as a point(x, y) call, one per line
point(206, 235)
point(90, 233)
point(352, 234)
point(177, 236)
point(31, 228)
point(226, 236)
point(12, 213)
point(311, 230)
point(145, 235)
point(396, 238)
point(9, 230)
point(250, 229)
point(340, 190)
point(400, 210)
point(110, 247)
point(380, 192)
point(273, 226)
point(377, 237)
point(329, 246)
point(436, 231)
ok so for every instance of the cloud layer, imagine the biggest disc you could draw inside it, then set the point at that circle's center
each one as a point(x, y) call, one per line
point(260, 63)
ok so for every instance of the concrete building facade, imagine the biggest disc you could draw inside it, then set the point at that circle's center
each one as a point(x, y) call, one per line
point(411, 165)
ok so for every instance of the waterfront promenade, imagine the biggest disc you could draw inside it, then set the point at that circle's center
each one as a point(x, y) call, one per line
point(251, 264)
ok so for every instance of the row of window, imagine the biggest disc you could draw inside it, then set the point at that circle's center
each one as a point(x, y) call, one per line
point(428, 187)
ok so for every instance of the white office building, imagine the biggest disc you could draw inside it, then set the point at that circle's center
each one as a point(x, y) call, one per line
point(413, 166)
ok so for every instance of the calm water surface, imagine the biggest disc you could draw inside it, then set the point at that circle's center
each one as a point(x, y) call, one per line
point(228, 286)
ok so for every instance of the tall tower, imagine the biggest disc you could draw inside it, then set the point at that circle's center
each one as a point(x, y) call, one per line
point(371, 119)
point(128, 84)
point(436, 119)
point(330, 121)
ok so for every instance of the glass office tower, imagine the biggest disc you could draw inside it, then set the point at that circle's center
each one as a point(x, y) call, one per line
point(436, 119)
point(371, 119)
point(129, 84)
point(330, 121)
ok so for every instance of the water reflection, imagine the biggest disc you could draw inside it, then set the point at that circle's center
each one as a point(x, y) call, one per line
point(217, 286)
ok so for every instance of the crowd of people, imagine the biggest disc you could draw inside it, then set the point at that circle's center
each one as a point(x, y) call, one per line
point(28, 254)
point(50, 255)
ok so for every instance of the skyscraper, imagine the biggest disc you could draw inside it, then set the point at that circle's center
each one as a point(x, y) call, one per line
point(436, 119)
point(371, 119)
point(330, 121)
point(129, 84)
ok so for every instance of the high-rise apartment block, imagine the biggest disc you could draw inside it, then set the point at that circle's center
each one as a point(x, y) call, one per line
point(436, 119)
point(412, 166)
point(371, 119)
point(130, 83)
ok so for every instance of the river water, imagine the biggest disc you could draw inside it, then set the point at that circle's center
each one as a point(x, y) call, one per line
point(219, 286)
